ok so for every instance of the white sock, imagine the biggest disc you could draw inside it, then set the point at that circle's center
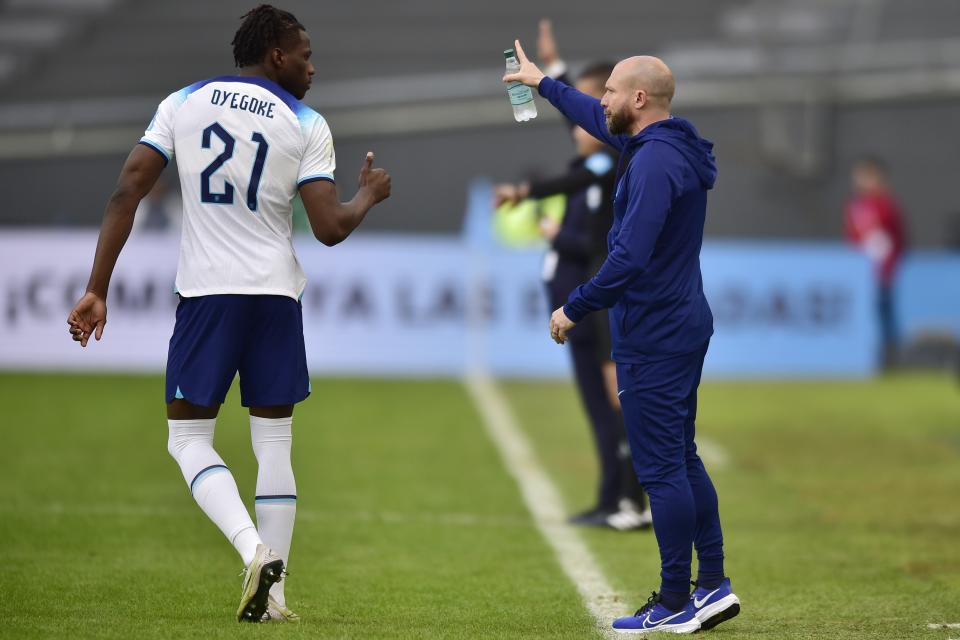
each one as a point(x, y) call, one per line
point(212, 484)
point(276, 502)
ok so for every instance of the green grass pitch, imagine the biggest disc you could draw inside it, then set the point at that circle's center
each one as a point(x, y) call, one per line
point(840, 504)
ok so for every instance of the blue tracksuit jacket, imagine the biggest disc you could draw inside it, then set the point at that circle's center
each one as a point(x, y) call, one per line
point(651, 278)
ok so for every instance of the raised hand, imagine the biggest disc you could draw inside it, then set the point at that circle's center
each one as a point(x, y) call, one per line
point(88, 318)
point(376, 181)
point(547, 52)
point(529, 74)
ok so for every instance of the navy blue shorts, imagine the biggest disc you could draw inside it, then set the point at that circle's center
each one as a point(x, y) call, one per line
point(261, 337)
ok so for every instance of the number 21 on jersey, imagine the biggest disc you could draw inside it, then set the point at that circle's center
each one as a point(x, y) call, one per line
point(229, 142)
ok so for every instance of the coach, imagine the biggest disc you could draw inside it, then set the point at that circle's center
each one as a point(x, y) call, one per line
point(660, 321)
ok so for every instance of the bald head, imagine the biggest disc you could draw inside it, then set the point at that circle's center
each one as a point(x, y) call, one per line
point(648, 74)
point(638, 92)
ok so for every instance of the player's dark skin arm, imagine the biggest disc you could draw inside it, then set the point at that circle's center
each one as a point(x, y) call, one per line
point(139, 174)
point(331, 220)
point(89, 316)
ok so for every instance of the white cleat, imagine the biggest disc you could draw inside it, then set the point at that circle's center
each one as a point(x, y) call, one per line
point(277, 612)
point(265, 570)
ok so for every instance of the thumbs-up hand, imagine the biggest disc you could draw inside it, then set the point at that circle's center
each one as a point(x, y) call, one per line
point(375, 181)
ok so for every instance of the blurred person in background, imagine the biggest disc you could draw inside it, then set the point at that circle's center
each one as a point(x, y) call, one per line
point(578, 246)
point(245, 146)
point(661, 323)
point(874, 224)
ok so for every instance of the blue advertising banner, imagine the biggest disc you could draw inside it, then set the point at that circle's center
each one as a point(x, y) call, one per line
point(780, 310)
point(928, 297)
point(420, 306)
point(789, 310)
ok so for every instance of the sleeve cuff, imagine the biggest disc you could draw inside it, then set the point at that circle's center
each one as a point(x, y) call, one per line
point(556, 69)
point(314, 178)
point(574, 314)
point(157, 148)
point(545, 84)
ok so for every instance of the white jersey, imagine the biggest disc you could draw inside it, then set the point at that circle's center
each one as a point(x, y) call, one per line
point(243, 146)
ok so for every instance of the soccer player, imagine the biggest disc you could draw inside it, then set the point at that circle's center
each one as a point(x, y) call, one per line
point(245, 146)
point(660, 323)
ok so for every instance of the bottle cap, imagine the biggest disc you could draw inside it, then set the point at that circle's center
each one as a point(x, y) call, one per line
point(509, 53)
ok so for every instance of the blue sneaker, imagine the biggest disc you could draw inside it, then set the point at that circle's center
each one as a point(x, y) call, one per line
point(653, 616)
point(713, 606)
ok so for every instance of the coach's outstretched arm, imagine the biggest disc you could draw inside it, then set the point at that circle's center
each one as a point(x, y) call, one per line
point(578, 107)
point(331, 220)
point(139, 174)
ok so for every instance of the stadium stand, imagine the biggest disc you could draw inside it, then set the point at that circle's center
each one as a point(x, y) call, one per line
point(790, 91)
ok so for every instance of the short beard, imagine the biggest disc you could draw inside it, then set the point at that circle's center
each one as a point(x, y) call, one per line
point(618, 124)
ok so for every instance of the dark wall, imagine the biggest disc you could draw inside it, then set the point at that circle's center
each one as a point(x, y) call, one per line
point(755, 196)
point(144, 48)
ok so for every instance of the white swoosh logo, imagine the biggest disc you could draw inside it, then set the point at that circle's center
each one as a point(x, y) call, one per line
point(654, 623)
point(699, 603)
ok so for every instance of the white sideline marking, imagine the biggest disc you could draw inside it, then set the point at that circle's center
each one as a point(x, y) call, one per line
point(944, 625)
point(543, 501)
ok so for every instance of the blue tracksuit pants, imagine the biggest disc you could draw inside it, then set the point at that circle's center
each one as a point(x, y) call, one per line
point(659, 401)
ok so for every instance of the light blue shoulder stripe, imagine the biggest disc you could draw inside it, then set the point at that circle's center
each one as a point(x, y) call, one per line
point(181, 96)
point(308, 117)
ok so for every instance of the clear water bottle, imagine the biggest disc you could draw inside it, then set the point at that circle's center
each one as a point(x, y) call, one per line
point(521, 97)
